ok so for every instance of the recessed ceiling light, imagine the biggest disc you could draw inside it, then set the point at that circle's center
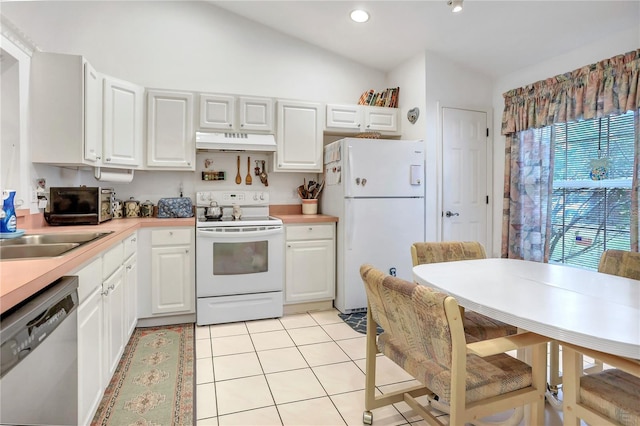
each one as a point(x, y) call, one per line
point(359, 15)
point(456, 5)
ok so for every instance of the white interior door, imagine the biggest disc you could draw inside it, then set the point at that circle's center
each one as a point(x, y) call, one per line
point(465, 204)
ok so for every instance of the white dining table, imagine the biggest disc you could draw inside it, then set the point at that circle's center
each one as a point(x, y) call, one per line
point(586, 308)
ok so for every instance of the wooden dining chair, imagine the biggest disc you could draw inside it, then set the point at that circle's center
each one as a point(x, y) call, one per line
point(423, 334)
point(614, 262)
point(609, 397)
point(475, 324)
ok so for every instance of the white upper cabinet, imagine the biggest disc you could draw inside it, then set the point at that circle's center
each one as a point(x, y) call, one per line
point(123, 113)
point(170, 130)
point(256, 114)
point(362, 118)
point(92, 115)
point(236, 113)
point(299, 136)
point(217, 112)
point(65, 110)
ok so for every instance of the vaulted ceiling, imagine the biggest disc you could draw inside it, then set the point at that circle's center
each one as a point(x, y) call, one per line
point(492, 37)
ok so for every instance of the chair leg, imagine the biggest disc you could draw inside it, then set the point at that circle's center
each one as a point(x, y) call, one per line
point(370, 364)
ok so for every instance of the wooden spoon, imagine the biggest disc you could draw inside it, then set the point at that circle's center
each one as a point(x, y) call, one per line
point(248, 179)
point(238, 177)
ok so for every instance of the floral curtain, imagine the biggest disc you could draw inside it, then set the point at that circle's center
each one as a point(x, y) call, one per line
point(526, 224)
point(609, 87)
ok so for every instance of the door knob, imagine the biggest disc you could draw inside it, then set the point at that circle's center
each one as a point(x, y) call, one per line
point(449, 214)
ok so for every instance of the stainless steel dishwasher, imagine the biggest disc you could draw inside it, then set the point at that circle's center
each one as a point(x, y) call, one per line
point(39, 358)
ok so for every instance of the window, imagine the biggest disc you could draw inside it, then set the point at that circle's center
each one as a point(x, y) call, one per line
point(590, 216)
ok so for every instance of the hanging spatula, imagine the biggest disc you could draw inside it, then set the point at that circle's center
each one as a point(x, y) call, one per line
point(247, 180)
point(238, 177)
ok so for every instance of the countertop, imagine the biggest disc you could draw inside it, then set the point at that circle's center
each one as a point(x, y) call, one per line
point(20, 279)
point(292, 213)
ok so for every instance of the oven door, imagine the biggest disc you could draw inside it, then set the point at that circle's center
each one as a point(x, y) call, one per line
point(239, 260)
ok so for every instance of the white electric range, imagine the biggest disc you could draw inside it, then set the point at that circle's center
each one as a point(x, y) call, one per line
point(239, 261)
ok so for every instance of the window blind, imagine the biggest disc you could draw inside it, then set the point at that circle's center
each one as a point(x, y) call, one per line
point(590, 216)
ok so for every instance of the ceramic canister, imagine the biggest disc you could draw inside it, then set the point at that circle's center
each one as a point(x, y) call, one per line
point(132, 208)
point(146, 209)
point(117, 209)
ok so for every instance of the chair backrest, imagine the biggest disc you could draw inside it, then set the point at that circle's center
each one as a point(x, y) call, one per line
point(414, 315)
point(622, 263)
point(446, 251)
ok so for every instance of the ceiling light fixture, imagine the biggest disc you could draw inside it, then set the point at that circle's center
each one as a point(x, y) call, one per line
point(359, 15)
point(456, 5)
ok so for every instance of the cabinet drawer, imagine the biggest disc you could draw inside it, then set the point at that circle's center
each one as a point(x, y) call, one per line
point(130, 245)
point(112, 260)
point(161, 237)
point(309, 232)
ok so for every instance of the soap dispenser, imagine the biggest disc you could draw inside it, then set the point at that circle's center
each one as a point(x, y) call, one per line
point(8, 219)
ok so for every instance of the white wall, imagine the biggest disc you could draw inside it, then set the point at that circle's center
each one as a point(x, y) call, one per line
point(608, 46)
point(189, 46)
point(447, 85)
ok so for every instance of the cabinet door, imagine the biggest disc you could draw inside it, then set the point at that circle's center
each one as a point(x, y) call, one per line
point(299, 137)
point(171, 280)
point(123, 128)
point(90, 356)
point(114, 318)
point(131, 295)
point(92, 115)
point(310, 271)
point(217, 112)
point(381, 119)
point(256, 114)
point(170, 130)
point(344, 117)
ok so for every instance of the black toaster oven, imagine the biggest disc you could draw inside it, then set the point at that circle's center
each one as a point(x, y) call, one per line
point(82, 205)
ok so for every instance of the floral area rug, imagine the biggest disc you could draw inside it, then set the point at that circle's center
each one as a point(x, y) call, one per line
point(358, 321)
point(153, 383)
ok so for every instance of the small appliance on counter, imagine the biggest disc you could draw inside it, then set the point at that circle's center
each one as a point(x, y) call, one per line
point(8, 219)
point(82, 205)
point(175, 207)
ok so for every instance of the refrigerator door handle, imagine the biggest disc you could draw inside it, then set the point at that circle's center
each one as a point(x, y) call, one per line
point(350, 225)
point(347, 173)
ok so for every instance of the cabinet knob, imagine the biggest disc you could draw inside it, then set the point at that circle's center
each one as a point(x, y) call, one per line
point(171, 233)
point(242, 125)
point(310, 228)
point(133, 240)
point(289, 245)
point(98, 157)
point(111, 287)
point(368, 125)
point(230, 125)
point(105, 292)
point(129, 267)
point(359, 124)
point(186, 250)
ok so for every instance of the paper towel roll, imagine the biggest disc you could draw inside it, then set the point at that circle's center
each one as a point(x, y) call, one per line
point(114, 175)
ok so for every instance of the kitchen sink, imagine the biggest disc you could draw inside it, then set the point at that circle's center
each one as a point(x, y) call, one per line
point(45, 245)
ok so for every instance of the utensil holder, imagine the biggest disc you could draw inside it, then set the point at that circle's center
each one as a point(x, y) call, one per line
point(310, 206)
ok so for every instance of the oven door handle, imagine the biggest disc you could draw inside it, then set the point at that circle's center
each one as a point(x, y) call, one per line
point(232, 235)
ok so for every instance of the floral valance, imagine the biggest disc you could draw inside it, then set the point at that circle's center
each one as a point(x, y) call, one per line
point(608, 87)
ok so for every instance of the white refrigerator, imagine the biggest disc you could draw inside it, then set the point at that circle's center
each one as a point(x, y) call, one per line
point(376, 189)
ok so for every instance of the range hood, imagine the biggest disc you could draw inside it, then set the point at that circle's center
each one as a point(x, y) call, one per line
point(211, 141)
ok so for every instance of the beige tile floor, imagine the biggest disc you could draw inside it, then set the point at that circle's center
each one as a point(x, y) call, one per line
point(305, 369)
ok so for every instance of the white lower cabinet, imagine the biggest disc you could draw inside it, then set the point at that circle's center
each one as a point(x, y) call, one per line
point(172, 260)
point(107, 316)
point(310, 263)
point(90, 338)
point(114, 318)
point(166, 295)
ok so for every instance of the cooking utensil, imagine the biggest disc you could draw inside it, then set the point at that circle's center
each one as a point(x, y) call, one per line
point(248, 179)
point(213, 212)
point(318, 190)
point(256, 171)
point(263, 175)
point(238, 177)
